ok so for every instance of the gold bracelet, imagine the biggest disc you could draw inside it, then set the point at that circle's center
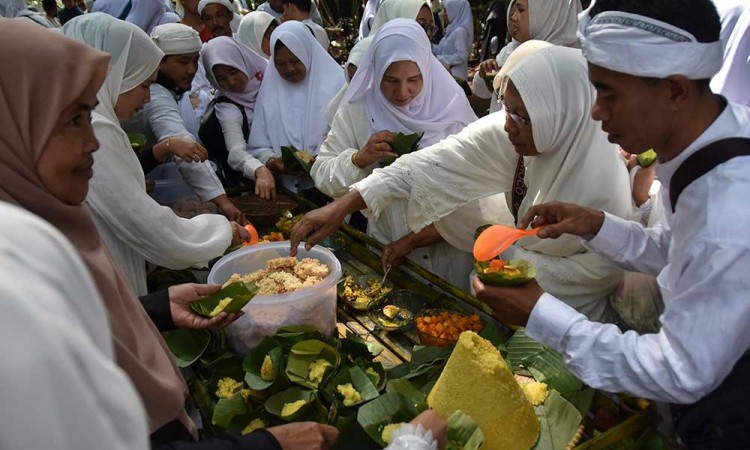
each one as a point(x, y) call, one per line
point(169, 139)
point(354, 160)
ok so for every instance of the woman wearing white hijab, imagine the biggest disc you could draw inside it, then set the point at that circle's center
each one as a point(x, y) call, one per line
point(418, 10)
point(555, 22)
point(255, 32)
point(567, 157)
point(371, 111)
point(453, 50)
point(300, 81)
point(133, 225)
point(236, 72)
point(350, 68)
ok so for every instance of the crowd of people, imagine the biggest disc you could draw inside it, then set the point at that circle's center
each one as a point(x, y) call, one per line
point(576, 93)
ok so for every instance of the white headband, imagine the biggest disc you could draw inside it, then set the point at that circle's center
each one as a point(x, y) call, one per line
point(176, 39)
point(646, 47)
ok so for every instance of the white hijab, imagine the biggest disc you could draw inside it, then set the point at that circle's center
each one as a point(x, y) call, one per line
point(368, 15)
point(252, 28)
point(292, 113)
point(553, 21)
point(459, 16)
point(577, 163)
point(396, 9)
point(440, 109)
point(225, 50)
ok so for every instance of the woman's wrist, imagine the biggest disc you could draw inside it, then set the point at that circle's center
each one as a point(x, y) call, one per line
point(354, 160)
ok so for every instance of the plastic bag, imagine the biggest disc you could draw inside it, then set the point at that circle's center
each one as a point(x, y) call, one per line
point(638, 302)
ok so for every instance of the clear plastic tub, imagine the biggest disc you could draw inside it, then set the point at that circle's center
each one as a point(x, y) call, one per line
point(265, 314)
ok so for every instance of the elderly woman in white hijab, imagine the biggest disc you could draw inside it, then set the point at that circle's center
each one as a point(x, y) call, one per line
point(453, 50)
point(350, 68)
point(236, 72)
point(399, 87)
point(568, 157)
point(300, 81)
point(255, 32)
point(555, 22)
point(133, 225)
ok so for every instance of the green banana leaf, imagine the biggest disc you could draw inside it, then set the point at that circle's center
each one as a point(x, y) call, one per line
point(359, 380)
point(406, 143)
point(254, 362)
point(291, 335)
point(293, 161)
point(490, 78)
point(559, 421)
point(462, 432)
point(306, 352)
point(381, 379)
point(187, 345)
point(404, 387)
point(354, 346)
point(240, 293)
point(387, 409)
point(528, 272)
point(226, 409)
point(423, 359)
point(480, 229)
point(275, 404)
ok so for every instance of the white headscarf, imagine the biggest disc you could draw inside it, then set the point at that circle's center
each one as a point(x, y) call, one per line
point(292, 113)
point(577, 164)
point(368, 16)
point(459, 16)
point(646, 47)
point(176, 39)
point(252, 28)
point(145, 14)
point(553, 21)
point(225, 50)
point(203, 3)
point(396, 9)
point(441, 108)
point(355, 56)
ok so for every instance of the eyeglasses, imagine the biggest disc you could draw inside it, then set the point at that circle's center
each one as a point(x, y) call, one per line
point(427, 28)
point(520, 121)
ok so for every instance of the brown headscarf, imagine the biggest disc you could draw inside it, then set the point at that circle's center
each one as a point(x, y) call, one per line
point(43, 72)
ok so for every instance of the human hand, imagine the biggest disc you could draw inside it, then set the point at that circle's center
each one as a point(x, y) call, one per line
point(642, 182)
point(512, 305)
point(488, 66)
point(430, 420)
point(395, 252)
point(377, 147)
point(320, 222)
point(183, 316)
point(265, 184)
point(558, 218)
point(305, 436)
point(186, 149)
point(239, 233)
point(229, 210)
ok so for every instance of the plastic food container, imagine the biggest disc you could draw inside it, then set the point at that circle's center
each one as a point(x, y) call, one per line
point(168, 185)
point(265, 314)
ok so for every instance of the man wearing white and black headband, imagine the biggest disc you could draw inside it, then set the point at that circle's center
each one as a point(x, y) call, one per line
point(650, 62)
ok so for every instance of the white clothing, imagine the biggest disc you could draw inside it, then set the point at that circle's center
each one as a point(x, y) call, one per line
point(396, 9)
point(252, 29)
point(229, 52)
point(455, 47)
point(368, 16)
point(733, 80)
point(555, 22)
point(291, 114)
point(441, 107)
point(576, 164)
point(134, 227)
point(266, 8)
point(646, 47)
point(410, 437)
point(320, 33)
point(145, 14)
point(702, 258)
point(355, 59)
point(57, 348)
point(163, 117)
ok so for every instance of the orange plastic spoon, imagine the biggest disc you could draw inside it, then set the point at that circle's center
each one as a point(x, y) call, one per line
point(253, 236)
point(495, 239)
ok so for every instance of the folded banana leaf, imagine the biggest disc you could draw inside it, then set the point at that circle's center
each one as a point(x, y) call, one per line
point(462, 432)
point(359, 381)
point(559, 421)
point(305, 353)
point(239, 294)
point(226, 409)
point(404, 387)
point(502, 278)
point(261, 372)
point(275, 404)
point(187, 345)
point(292, 159)
point(406, 143)
point(389, 408)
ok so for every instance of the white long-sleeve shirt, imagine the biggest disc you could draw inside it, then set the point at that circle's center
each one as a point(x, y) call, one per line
point(702, 259)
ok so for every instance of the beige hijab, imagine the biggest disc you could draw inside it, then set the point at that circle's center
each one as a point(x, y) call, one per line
point(30, 104)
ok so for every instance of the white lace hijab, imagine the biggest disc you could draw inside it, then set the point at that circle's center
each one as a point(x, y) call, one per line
point(440, 109)
point(293, 113)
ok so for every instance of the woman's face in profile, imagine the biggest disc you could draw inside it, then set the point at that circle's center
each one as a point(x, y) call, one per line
point(65, 165)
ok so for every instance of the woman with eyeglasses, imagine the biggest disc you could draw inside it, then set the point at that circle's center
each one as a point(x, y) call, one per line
point(399, 87)
point(555, 22)
point(548, 122)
